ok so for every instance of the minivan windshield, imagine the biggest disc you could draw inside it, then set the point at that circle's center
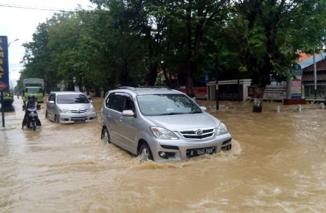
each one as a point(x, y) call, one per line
point(166, 104)
point(72, 99)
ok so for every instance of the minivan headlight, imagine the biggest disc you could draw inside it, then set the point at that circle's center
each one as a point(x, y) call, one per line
point(221, 129)
point(164, 134)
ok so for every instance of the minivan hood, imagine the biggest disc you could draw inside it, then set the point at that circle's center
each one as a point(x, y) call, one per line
point(185, 121)
point(74, 106)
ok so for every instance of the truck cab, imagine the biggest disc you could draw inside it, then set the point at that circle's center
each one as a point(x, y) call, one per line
point(33, 87)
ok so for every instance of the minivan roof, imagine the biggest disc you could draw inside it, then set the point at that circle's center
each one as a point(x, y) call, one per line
point(147, 90)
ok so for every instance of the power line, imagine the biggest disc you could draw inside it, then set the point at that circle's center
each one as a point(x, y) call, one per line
point(16, 6)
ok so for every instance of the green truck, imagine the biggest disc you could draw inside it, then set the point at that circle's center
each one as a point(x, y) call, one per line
point(33, 87)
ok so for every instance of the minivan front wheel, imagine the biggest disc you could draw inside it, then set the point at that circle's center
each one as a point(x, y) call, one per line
point(105, 135)
point(145, 153)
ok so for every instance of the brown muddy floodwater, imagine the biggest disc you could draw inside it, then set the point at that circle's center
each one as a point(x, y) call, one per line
point(278, 164)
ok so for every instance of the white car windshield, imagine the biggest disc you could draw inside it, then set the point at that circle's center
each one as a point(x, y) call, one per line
point(166, 104)
point(72, 99)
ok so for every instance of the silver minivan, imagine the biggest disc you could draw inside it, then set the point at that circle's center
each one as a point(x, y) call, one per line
point(69, 107)
point(161, 124)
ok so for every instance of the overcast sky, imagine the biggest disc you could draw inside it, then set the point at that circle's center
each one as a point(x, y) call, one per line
point(18, 23)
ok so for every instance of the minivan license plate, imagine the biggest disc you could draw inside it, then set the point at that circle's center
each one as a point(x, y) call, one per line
point(200, 151)
point(210, 150)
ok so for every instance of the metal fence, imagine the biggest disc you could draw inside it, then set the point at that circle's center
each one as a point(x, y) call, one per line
point(309, 92)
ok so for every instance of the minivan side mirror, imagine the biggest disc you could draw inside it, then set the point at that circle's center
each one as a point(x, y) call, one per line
point(128, 113)
point(203, 108)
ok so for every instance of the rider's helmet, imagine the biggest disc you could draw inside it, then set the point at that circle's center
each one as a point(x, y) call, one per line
point(33, 98)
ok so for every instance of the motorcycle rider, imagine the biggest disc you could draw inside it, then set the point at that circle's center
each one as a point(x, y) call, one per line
point(31, 103)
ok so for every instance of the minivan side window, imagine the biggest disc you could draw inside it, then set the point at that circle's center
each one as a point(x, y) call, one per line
point(108, 99)
point(116, 102)
point(129, 104)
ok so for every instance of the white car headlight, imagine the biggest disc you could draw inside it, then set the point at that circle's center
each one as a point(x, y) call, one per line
point(221, 129)
point(91, 109)
point(164, 134)
point(64, 110)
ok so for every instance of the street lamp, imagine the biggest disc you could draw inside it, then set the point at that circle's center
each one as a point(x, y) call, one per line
point(17, 39)
point(11, 42)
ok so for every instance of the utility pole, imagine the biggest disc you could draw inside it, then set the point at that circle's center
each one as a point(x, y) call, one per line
point(217, 104)
point(315, 76)
point(2, 108)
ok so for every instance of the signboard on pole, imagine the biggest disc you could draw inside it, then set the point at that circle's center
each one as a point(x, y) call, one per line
point(4, 67)
point(3, 86)
point(4, 73)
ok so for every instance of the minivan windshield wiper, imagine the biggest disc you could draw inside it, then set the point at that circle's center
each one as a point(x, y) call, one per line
point(173, 113)
point(179, 113)
point(195, 112)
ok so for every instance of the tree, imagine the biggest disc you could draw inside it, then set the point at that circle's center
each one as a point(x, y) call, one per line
point(53, 55)
point(271, 32)
point(194, 18)
point(126, 42)
point(36, 57)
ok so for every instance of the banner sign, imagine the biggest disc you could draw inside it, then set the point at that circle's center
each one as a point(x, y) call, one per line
point(295, 89)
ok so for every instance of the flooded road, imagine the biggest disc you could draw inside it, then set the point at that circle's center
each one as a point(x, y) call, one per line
point(277, 164)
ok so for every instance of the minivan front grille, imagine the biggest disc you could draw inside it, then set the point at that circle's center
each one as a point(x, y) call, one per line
point(79, 111)
point(198, 134)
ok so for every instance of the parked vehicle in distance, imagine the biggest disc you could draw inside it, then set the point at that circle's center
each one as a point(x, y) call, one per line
point(161, 124)
point(69, 107)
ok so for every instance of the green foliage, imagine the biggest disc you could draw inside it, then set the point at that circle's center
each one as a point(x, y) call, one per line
point(126, 42)
point(273, 32)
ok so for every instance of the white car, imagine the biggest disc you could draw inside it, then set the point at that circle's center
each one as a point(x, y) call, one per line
point(69, 107)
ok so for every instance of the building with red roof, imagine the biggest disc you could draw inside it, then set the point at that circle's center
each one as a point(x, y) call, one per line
point(306, 63)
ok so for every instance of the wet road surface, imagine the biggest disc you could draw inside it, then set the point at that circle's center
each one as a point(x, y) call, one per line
point(277, 164)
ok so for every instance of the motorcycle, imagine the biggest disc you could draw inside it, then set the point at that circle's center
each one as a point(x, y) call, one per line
point(32, 120)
